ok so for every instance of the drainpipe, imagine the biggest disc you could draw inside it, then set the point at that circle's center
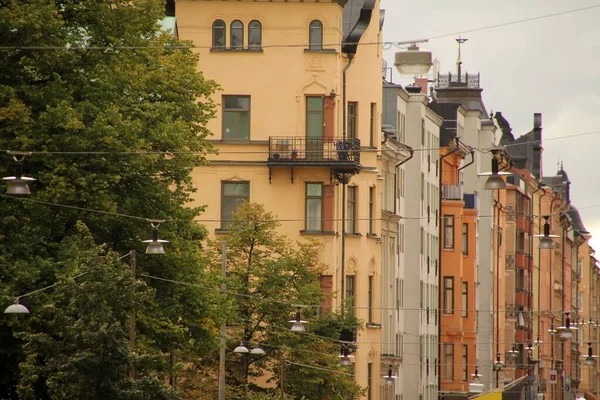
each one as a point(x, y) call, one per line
point(530, 335)
point(470, 162)
point(440, 231)
point(344, 183)
point(539, 287)
point(497, 203)
point(412, 153)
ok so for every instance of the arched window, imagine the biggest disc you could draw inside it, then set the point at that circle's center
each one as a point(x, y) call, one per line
point(218, 30)
point(237, 35)
point(254, 35)
point(315, 35)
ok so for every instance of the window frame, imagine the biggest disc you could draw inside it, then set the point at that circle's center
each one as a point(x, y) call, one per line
point(465, 238)
point(232, 26)
point(448, 295)
point(465, 300)
point(465, 359)
point(372, 123)
point(224, 220)
point(257, 26)
point(308, 111)
point(224, 110)
point(448, 372)
point(370, 299)
point(372, 210)
point(352, 210)
point(308, 197)
point(224, 32)
point(312, 30)
point(352, 120)
point(449, 231)
point(350, 290)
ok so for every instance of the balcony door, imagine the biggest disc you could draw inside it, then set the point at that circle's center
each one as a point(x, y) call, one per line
point(315, 127)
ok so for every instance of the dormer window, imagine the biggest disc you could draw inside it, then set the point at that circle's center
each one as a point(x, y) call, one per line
point(237, 35)
point(315, 35)
point(218, 30)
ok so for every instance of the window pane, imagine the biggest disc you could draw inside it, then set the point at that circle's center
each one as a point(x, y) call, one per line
point(255, 35)
point(236, 102)
point(314, 214)
point(236, 189)
point(236, 124)
point(314, 189)
point(219, 34)
point(237, 35)
point(316, 35)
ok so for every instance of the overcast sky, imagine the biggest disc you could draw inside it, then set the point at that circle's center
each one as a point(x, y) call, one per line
point(549, 66)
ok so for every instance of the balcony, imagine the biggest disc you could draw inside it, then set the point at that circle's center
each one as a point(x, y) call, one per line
point(329, 152)
point(451, 192)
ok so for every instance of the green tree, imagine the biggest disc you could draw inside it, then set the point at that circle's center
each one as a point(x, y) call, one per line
point(267, 276)
point(83, 352)
point(87, 85)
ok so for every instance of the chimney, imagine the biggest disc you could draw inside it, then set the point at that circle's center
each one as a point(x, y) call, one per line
point(413, 89)
point(422, 83)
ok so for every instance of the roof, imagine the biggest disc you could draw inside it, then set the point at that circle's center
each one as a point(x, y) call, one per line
point(576, 221)
point(525, 151)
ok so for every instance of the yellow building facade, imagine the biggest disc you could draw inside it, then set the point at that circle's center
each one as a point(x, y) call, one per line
point(284, 76)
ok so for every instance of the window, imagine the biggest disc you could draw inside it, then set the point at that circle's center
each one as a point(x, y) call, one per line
point(236, 117)
point(465, 300)
point(351, 210)
point(254, 35)
point(448, 231)
point(350, 290)
point(315, 35)
point(370, 298)
point(372, 123)
point(314, 206)
point(352, 112)
point(448, 295)
point(449, 361)
point(372, 210)
point(465, 239)
point(218, 30)
point(314, 117)
point(465, 359)
point(237, 35)
point(232, 195)
point(369, 378)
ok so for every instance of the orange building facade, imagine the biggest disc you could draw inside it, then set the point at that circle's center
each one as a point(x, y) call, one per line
point(458, 275)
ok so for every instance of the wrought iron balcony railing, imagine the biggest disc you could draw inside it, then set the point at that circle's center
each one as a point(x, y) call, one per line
point(294, 151)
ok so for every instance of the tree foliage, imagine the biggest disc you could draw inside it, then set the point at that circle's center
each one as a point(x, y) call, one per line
point(88, 85)
point(267, 278)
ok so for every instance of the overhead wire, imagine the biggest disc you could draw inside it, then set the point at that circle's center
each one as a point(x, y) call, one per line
point(71, 47)
point(220, 152)
point(278, 220)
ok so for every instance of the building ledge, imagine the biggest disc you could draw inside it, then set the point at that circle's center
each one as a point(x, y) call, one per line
point(235, 50)
point(355, 235)
point(326, 51)
point(322, 233)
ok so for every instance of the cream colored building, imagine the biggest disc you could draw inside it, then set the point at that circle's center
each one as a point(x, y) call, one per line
point(280, 136)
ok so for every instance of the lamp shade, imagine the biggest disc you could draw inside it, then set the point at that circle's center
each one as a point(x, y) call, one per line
point(257, 351)
point(241, 349)
point(494, 182)
point(413, 61)
point(155, 246)
point(16, 309)
point(18, 185)
point(546, 244)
